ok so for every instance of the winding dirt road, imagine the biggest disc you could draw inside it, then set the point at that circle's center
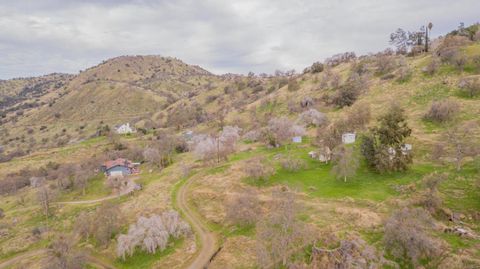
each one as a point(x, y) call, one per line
point(208, 240)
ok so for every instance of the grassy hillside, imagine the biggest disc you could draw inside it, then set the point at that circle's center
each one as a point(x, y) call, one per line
point(172, 97)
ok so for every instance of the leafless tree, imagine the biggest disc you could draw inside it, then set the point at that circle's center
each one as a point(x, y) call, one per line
point(345, 162)
point(45, 197)
point(64, 256)
point(312, 117)
point(280, 130)
point(442, 111)
point(460, 143)
point(331, 252)
point(152, 155)
point(217, 146)
point(257, 169)
point(407, 238)
point(151, 234)
point(279, 232)
point(243, 208)
point(292, 163)
point(431, 199)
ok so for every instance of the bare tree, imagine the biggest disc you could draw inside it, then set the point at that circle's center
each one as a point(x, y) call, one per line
point(152, 155)
point(217, 146)
point(152, 234)
point(280, 232)
point(280, 130)
point(258, 169)
point(407, 238)
point(351, 252)
point(442, 111)
point(345, 162)
point(45, 197)
point(431, 199)
point(312, 117)
point(64, 256)
point(460, 143)
point(243, 208)
point(106, 222)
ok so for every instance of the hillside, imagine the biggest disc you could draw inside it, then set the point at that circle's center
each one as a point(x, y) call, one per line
point(235, 186)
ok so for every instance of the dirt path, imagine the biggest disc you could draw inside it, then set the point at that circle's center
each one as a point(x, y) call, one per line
point(15, 260)
point(91, 260)
point(208, 240)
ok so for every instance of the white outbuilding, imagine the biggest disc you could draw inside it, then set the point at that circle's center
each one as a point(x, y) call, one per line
point(124, 129)
point(297, 139)
point(348, 138)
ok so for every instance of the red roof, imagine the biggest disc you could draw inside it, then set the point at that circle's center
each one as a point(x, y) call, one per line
point(118, 162)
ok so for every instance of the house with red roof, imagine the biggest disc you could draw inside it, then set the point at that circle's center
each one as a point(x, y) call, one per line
point(119, 167)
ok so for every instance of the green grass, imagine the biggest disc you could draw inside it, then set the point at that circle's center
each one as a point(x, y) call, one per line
point(142, 259)
point(96, 188)
point(317, 180)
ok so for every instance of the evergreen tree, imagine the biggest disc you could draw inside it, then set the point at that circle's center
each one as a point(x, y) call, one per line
point(384, 147)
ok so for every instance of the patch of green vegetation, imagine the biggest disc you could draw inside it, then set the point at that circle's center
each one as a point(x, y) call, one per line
point(461, 189)
point(316, 179)
point(96, 188)
point(143, 259)
point(432, 92)
point(243, 230)
point(457, 242)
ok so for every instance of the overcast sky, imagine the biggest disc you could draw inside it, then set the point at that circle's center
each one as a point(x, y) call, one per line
point(44, 36)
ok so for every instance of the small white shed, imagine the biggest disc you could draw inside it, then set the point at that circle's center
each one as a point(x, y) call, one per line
point(348, 138)
point(297, 139)
point(406, 148)
point(124, 129)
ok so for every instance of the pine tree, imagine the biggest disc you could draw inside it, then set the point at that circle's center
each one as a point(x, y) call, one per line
point(383, 149)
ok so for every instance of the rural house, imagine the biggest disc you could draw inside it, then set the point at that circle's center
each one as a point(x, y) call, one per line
point(119, 167)
point(124, 129)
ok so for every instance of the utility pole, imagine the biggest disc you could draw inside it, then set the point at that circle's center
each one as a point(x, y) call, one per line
point(428, 28)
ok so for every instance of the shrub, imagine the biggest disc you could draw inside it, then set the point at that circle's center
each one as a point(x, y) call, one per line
point(292, 164)
point(243, 208)
point(293, 85)
point(470, 86)
point(459, 61)
point(407, 238)
point(316, 67)
point(432, 67)
point(312, 117)
point(442, 111)
point(257, 170)
point(385, 64)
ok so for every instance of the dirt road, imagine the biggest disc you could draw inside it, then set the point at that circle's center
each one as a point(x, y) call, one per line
point(208, 240)
point(91, 260)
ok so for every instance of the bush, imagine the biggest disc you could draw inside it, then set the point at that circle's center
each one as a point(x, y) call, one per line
point(442, 111)
point(432, 67)
point(292, 164)
point(243, 209)
point(470, 86)
point(317, 67)
point(257, 170)
point(407, 238)
point(385, 64)
point(312, 117)
point(293, 85)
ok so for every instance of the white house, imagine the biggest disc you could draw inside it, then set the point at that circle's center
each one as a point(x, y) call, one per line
point(297, 139)
point(125, 129)
point(348, 138)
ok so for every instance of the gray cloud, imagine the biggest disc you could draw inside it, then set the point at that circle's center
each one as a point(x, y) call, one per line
point(39, 37)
